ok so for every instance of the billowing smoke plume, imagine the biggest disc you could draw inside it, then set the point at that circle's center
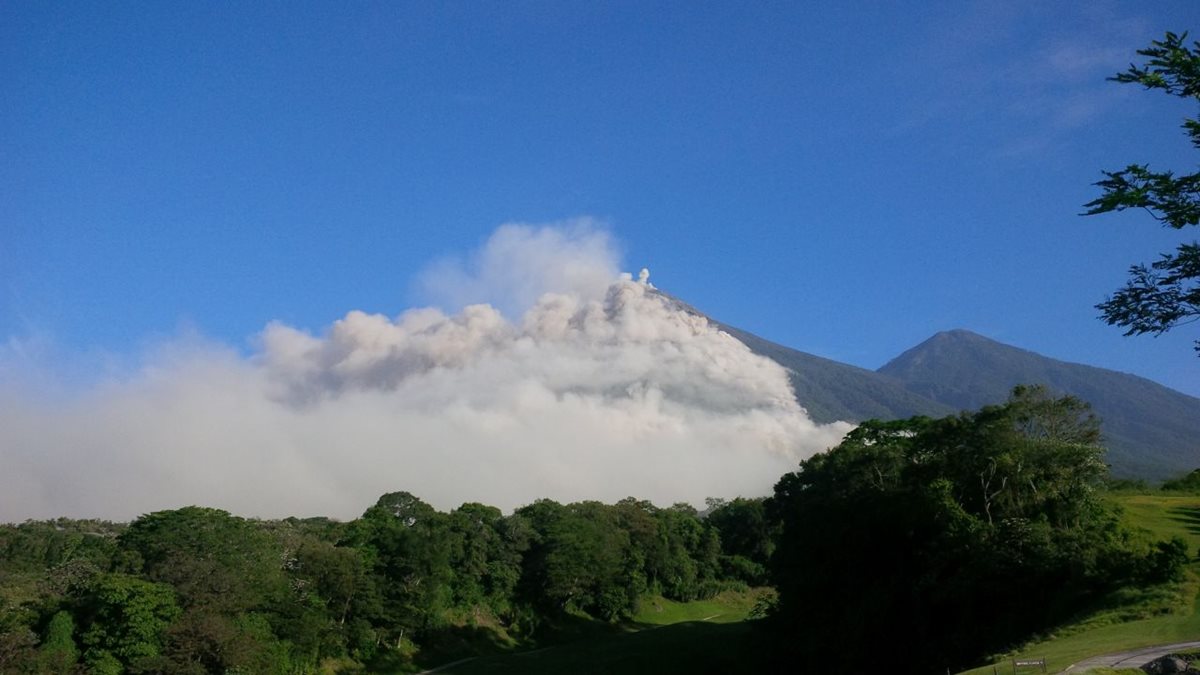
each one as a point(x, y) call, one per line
point(602, 389)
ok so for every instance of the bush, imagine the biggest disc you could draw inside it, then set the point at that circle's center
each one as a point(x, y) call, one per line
point(1168, 560)
point(743, 569)
point(1187, 483)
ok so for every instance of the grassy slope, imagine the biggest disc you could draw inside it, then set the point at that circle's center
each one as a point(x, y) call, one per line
point(728, 607)
point(665, 636)
point(1163, 516)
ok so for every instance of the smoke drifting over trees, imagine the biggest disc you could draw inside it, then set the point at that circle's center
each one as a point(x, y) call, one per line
point(573, 382)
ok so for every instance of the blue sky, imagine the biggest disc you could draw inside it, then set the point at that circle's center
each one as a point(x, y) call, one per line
point(844, 178)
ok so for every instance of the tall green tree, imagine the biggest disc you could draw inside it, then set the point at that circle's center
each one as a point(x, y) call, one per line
point(1189, 482)
point(1166, 293)
point(963, 535)
point(125, 619)
point(407, 546)
point(59, 652)
point(485, 559)
point(581, 559)
point(747, 537)
point(238, 604)
point(211, 558)
point(688, 558)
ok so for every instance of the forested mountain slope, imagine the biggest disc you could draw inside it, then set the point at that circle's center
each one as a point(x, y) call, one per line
point(831, 390)
point(1151, 431)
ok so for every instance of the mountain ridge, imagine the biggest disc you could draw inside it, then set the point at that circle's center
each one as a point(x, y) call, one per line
point(831, 390)
point(1151, 431)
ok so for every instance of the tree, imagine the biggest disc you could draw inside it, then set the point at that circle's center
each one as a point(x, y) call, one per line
point(210, 558)
point(486, 565)
point(18, 652)
point(125, 619)
point(939, 532)
point(58, 651)
point(1186, 483)
point(747, 537)
point(1167, 293)
point(405, 544)
point(581, 559)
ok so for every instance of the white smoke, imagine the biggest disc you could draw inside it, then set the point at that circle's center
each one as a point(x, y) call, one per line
point(519, 263)
point(596, 391)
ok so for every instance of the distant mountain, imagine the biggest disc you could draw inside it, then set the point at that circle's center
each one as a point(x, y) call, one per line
point(1151, 431)
point(831, 390)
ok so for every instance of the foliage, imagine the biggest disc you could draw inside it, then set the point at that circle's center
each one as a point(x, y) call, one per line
point(210, 557)
point(1186, 483)
point(962, 534)
point(406, 543)
point(1131, 616)
point(59, 652)
point(1167, 293)
point(38, 545)
point(41, 564)
point(1168, 561)
point(747, 537)
point(1135, 485)
point(579, 560)
point(124, 619)
point(17, 650)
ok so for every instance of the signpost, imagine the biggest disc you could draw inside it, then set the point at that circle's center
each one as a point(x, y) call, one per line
point(1029, 663)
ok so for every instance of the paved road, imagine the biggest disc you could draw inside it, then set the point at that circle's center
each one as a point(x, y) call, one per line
point(1134, 658)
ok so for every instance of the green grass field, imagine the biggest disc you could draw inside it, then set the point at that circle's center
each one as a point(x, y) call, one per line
point(1136, 619)
point(728, 607)
point(705, 636)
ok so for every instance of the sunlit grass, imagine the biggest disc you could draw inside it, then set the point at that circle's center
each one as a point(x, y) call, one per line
point(664, 636)
point(1132, 618)
point(726, 607)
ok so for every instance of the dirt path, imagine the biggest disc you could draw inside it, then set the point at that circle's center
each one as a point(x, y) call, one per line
point(1134, 658)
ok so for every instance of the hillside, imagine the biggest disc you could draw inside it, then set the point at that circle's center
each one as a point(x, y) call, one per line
point(1130, 619)
point(831, 390)
point(1151, 431)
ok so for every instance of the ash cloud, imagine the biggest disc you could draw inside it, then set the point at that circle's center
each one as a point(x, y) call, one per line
point(519, 263)
point(597, 387)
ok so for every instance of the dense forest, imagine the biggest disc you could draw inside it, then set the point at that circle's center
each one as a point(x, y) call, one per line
point(197, 590)
point(962, 535)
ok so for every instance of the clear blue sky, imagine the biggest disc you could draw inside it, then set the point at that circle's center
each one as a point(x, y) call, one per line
point(846, 178)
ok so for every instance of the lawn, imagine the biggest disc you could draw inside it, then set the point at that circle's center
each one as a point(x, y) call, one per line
point(1165, 515)
point(728, 607)
point(705, 636)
